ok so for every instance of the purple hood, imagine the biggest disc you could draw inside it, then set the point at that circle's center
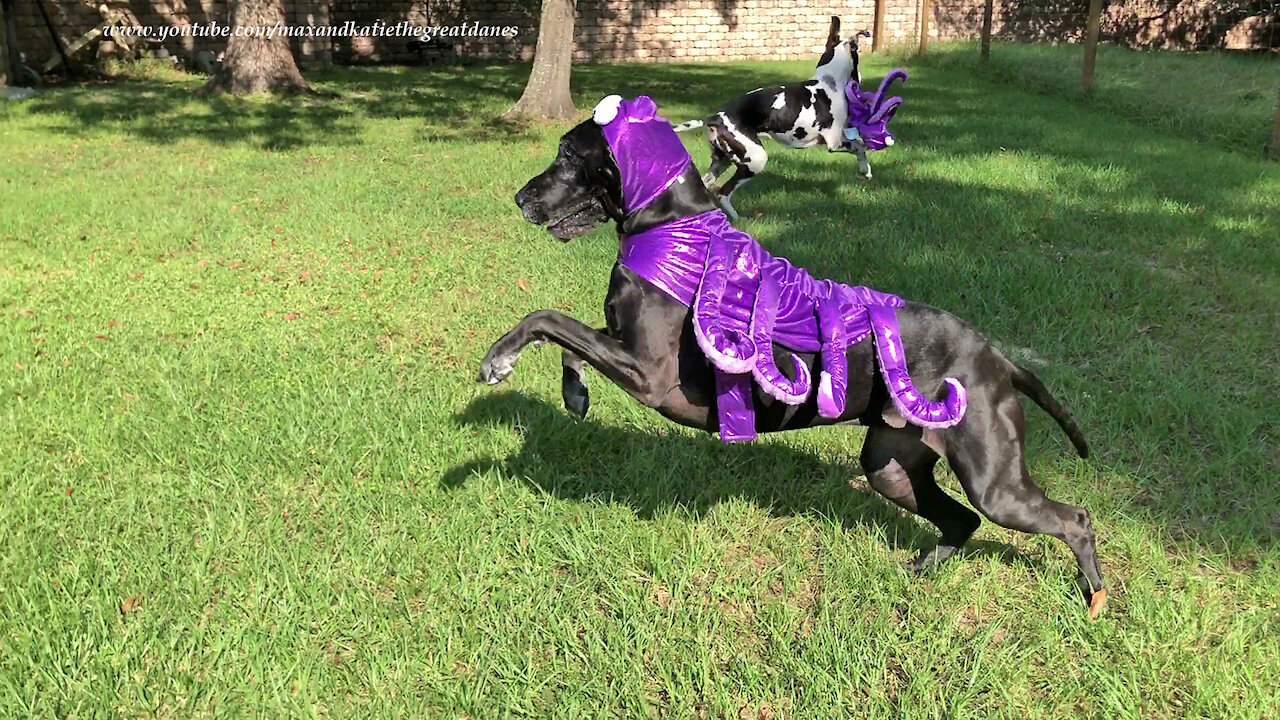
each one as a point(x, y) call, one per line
point(649, 155)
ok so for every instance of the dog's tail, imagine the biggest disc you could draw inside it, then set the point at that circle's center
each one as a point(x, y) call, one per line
point(1030, 385)
point(690, 125)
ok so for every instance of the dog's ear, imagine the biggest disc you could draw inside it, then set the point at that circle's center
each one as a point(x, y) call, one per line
point(590, 142)
point(833, 41)
point(833, 35)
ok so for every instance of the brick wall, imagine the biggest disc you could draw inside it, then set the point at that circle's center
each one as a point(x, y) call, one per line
point(672, 30)
point(1147, 24)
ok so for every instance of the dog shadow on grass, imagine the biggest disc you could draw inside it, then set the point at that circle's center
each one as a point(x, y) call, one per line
point(656, 471)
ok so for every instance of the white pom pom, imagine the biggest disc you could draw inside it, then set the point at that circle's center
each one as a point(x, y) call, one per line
point(607, 110)
point(888, 140)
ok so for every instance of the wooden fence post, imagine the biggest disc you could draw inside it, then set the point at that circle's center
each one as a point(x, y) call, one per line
point(1275, 132)
point(926, 8)
point(877, 29)
point(1091, 43)
point(987, 12)
point(4, 48)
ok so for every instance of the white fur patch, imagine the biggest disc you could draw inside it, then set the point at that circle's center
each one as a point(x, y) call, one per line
point(780, 101)
point(892, 417)
point(607, 109)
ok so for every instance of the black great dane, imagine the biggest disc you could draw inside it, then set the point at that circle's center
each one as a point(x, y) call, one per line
point(649, 350)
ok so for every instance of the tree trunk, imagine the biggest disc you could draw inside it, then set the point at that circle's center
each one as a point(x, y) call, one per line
point(987, 12)
point(877, 25)
point(926, 12)
point(546, 96)
point(253, 63)
point(1274, 150)
point(1091, 44)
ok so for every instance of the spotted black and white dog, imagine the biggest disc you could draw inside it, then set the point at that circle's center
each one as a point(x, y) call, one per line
point(798, 115)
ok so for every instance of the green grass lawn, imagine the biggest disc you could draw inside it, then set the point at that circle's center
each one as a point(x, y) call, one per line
point(247, 471)
point(1225, 98)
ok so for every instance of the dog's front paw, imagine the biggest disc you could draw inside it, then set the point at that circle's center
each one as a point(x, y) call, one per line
point(865, 171)
point(497, 365)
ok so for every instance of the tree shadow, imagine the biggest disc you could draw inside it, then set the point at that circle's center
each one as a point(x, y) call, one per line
point(653, 473)
point(165, 113)
point(450, 103)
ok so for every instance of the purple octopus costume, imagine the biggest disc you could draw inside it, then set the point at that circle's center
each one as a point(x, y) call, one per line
point(870, 112)
point(744, 299)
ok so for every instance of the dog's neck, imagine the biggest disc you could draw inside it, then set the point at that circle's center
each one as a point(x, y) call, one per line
point(839, 69)
point(685, 198)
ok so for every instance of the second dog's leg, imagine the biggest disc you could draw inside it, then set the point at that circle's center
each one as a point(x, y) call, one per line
point(900, 467)
point(750, 157)
point(864, 167)
point(741, 177)
point(573, 388)
point(860, 149)
point(719, 163)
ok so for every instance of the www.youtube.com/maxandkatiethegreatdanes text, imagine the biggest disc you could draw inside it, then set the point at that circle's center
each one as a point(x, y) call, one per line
point(349, 28)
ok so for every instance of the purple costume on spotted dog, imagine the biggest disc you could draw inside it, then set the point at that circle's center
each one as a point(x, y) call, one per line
point(744, 299)
point(870, 112)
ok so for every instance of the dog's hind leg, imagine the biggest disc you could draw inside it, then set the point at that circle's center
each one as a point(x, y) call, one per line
point(899, 465)
point(986, 452)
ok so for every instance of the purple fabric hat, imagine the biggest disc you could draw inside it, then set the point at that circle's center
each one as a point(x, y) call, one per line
point(648, 152)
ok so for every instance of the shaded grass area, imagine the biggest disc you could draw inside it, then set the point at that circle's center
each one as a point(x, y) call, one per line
point(237, 348)
point(1224, 98)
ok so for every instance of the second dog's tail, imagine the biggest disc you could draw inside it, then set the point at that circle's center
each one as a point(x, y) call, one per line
point(690, 125)
point(1030, 385)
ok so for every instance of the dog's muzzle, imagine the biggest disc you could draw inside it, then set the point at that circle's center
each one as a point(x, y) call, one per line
point(531, 210)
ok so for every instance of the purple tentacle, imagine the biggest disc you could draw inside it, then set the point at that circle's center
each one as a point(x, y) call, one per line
point(885, 113)
point(771, 379)
point(833, 385)
point(724, 340)
point(913, 406)
point(886, 81)
point(853, 94)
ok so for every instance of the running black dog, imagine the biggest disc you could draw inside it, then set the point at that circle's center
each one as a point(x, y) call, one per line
point(649, 349)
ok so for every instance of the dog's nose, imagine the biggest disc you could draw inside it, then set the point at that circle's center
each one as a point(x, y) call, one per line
point(531, 210)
